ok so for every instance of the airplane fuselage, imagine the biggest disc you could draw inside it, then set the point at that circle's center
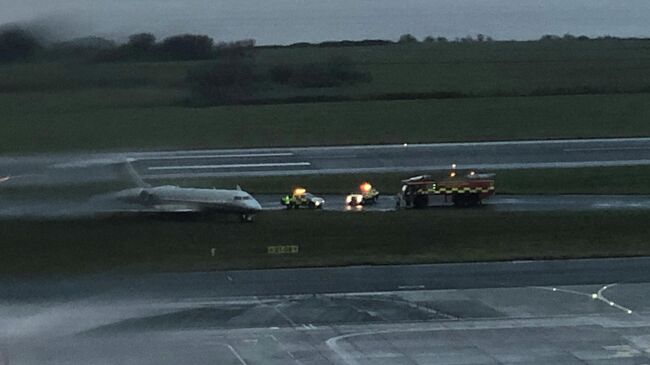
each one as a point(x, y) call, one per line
point(173, 198)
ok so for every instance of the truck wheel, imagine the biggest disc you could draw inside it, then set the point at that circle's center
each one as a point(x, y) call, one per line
point(421, 201)
point(459, 200)
point(474, 200)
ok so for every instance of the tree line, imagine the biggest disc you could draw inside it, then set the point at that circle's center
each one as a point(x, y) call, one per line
point(18, 44)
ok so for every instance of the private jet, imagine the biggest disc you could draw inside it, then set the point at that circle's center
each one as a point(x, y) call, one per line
point(174, 199)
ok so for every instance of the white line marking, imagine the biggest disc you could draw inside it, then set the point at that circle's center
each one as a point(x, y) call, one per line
point(146, 155)
point(484, 166)
point(241, 155)
point(228, 166)
point(604, 149)
point(291, 322)
point(486, 143)
point(353, 356)
point(234, 352)
point(600, 296)
point(286, 350)
point(569, 291)
point(407, 287)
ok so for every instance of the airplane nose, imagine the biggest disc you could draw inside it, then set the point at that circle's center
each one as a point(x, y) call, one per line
point(254, 205)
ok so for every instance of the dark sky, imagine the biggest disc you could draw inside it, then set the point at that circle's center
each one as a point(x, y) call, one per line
point(288, 21)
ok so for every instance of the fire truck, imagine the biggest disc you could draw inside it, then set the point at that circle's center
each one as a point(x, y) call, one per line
point(462, 189)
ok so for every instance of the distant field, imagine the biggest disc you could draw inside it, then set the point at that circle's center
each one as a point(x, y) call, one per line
point(473, 68)
point(80, 106)
point(324, 239)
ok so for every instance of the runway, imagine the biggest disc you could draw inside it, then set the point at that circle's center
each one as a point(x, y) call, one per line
point(60, 168)
point(37, 208)
point(500, 203)
point(560, 312)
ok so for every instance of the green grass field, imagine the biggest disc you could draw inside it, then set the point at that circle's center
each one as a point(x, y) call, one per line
point(78, 106)
point(87, 121)
point(324, 239)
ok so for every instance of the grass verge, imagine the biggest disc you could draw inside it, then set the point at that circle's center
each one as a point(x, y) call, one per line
point(324, 238)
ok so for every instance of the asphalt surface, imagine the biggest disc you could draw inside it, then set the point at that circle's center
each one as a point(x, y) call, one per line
point(336, 280)
point(542, 312)
point(84, 167)
point(505, 203)
point(390, 158)
point(554, 312)
point(34, 208)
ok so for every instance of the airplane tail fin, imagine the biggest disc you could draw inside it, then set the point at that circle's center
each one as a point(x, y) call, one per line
point(133, 175)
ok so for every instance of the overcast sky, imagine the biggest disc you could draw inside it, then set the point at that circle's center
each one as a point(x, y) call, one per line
point(288, 21)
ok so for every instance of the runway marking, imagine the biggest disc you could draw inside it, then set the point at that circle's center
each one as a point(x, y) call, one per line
point(145, 155)
point(409, 169)
point(275, 307)
point(410, 287)
point(604, 149)
point(228, 166)
point(467, 325)
point(475, 144)
point(569, 291)
point(596, 296)
point(291, 355)
point(234, 352)
point(240, 155)
point(601, 297)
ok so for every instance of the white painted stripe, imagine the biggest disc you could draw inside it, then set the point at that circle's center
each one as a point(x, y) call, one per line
point(475, 144)
point(601, 297)
point(228, 166)
point(108, 158)
point(415, 145)
point(241, 155)
point(604, 149)
point(408, 287)
point(410, 169)
point(234, 352)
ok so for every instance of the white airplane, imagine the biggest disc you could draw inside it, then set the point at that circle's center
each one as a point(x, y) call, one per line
point(171, 199)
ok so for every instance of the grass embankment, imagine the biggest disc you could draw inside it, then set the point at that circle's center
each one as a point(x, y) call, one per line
point(324, 238)
point(59, 106)
point(589, 180)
